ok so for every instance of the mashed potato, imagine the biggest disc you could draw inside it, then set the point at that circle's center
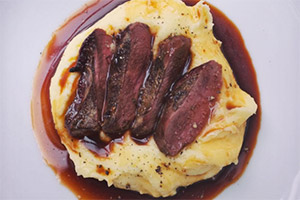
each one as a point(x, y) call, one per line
point(144, 168)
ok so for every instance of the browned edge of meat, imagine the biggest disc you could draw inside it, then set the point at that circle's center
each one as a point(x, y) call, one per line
point(188, 108)
point(83, 115)
point(126, 76)
point(173, 56)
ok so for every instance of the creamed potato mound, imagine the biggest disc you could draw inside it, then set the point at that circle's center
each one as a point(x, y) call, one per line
point(144, 168)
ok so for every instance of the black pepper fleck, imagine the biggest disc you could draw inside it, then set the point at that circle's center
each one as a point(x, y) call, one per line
point(158, 170)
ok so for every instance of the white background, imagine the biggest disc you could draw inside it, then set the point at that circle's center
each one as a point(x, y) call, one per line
point(271, 30)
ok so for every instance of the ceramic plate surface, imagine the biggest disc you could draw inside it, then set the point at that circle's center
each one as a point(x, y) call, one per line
point(271, 30)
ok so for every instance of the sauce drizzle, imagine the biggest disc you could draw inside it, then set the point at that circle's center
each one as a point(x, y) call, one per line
point(66, 73)
point(55, 153)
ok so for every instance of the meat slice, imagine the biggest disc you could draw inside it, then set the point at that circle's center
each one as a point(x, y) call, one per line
point(126, 76)
point(188, 108)
point(102, 60)
point(173, 55)
point(83, 115)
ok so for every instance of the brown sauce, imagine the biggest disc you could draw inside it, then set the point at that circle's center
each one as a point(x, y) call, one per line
point(55, 153)
point(64, 78)
point(100, 148)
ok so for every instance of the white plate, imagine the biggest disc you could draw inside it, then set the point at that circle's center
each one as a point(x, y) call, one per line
point(271, 30)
